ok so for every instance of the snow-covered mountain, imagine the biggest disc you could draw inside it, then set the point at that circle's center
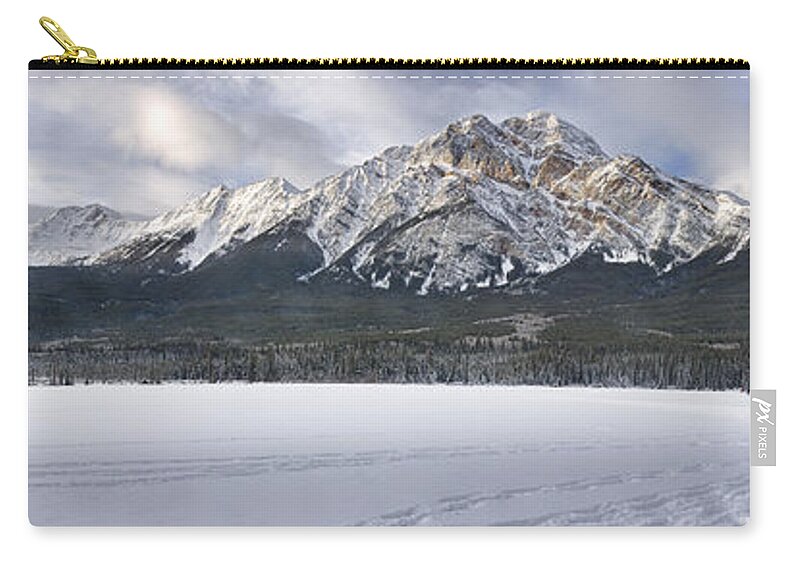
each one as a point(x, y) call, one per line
point(476, 205)
point(73, 234)
point(481, 205)
point(209, 225)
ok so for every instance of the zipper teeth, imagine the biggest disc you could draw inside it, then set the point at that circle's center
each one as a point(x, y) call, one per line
point(422, 63)
point(438, 63)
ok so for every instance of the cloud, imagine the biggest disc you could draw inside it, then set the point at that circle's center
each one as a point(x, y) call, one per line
point(697, 129)
point(361, 117)
point(147, 145)
point(164, 126)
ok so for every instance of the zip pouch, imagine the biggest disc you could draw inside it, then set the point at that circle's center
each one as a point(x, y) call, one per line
point(380, 292)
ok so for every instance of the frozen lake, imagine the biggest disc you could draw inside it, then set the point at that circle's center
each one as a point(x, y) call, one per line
point(292, 454)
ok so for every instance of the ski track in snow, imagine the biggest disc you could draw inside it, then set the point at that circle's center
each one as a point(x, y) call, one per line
point(386, 455)
point(713, 504)
point(723, 503)
point(127, 472)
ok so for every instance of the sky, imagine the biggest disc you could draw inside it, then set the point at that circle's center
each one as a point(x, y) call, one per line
point(143, 145)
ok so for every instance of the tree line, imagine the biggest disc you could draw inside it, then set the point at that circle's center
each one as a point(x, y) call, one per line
point(658, 363)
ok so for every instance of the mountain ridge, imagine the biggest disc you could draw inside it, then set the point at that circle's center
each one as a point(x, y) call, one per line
point(477, 205)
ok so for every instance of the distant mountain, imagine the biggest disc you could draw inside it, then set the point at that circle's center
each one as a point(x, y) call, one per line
point(75, 234)
point(476, 206)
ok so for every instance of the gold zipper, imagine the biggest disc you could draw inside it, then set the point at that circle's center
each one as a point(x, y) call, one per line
point(72, 53)
point(80, 56)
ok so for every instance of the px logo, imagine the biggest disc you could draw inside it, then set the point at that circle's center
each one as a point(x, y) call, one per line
point(762, 427)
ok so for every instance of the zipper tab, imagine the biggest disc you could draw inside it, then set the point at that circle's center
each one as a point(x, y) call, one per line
point(72, 52)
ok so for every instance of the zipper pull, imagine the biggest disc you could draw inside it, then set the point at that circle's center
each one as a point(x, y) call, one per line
point(72, 52)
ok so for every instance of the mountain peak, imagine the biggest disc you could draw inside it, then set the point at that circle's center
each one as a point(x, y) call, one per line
point(97, 208)
point(477, 145)
point(274, 183)
point(85, 213)
point(548, 133)
point(474, 126)
point(542, 116)
point(473, 122)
